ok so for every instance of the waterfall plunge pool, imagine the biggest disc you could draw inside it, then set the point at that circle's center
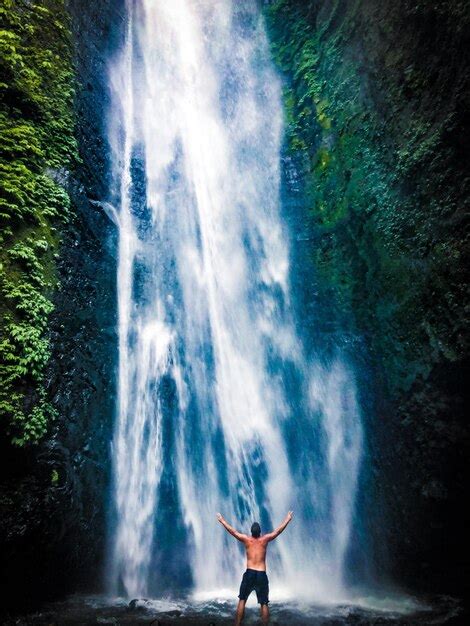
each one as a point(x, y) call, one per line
point(219, 610)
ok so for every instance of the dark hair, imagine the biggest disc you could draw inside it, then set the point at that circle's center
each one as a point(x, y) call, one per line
point(255, 530)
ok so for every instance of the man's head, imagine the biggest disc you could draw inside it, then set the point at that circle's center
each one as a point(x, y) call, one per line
point(255, 530)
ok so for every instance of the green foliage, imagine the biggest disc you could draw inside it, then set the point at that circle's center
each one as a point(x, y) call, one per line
point(54, 477)
point(372, 130)
point(37, 148)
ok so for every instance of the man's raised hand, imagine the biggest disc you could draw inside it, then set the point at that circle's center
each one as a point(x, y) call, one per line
point(290, 515)
point(220, 518)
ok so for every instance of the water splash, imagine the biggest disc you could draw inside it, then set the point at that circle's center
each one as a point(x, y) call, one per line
point(206, 334)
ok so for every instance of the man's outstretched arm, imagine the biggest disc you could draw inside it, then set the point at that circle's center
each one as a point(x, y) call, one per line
point(230, 529)
point(275, 533)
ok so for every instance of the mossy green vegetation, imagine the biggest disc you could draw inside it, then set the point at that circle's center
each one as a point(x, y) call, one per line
point(372, 118)
point(38, 149)
point(376, 99)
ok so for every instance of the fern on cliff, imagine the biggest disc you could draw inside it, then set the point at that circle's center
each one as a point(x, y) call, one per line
point(37, 149)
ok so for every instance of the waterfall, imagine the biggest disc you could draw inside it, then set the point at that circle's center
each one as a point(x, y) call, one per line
point(219, 409)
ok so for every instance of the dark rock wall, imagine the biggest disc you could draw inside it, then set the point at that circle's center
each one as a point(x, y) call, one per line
point(377, 98)
point(54, 495)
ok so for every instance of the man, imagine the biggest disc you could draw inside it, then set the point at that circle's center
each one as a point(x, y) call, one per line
point(255, 577)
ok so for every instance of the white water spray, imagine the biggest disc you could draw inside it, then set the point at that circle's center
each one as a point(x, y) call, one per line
point(211, 371)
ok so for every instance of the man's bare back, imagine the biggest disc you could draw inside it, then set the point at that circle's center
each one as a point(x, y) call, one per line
point(256, 552)
point(255, 578)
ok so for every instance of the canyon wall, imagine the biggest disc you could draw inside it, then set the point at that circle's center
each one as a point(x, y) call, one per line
point(377, 99)
point(53, 494)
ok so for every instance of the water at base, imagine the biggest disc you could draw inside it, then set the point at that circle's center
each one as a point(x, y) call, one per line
point(219, 611)
point(219, 407)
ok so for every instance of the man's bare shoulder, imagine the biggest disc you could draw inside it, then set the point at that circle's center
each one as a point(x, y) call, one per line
point(253, 541)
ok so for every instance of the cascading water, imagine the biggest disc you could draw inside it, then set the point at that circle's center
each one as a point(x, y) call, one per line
point(218, 409)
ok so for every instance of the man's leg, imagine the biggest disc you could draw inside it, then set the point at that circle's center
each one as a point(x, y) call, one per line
point(240, 612)
point(265, 613)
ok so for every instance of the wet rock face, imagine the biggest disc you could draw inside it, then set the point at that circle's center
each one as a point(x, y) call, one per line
point(376, 98)
point(83, 365)
point(53, 498)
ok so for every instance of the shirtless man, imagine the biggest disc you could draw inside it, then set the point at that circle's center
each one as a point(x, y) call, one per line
point(255, 577)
